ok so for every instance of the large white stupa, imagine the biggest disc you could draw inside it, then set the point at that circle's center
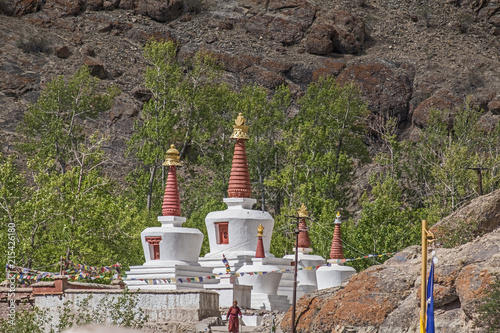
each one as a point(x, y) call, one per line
point(171, 251)
point(231, 232)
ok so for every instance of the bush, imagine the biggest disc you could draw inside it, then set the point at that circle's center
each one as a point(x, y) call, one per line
point(34, 45)
point(4, 8)
point(120, 310)
point(191, 6)
point(489, 308)
point(26, 321)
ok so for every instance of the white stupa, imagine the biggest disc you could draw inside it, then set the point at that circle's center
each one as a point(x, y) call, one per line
point(334, 275)
point(171, 251)
point(306, 278)
point(231, 232)
point(265, 278)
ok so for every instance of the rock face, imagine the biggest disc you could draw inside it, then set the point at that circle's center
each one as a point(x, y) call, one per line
point(387, 87)
point(385, 298)
point(339, 32)
point(406, 58)
point(481, 216)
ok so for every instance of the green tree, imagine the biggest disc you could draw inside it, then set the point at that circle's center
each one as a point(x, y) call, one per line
point(76, 214)
point(438, 167)
point(54, 125)
point(266, 117)
point(186, 107)
point(318, 149)
point(63, 204)
point(386, 224)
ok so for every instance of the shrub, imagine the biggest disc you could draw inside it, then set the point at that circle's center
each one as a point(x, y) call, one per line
point(488, 308)
point(120, 310)
point(192, 6)
point(4, 8)
point(461, 232)
point(34, 45)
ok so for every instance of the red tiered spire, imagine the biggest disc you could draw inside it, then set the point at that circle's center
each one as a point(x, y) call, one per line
point(239, 180)
point(304, 241)
point(171, 201)
point(336, 251)
point(259, 252)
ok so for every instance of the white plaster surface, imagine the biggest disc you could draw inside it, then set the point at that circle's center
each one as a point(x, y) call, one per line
point(251, 320)
point(266, 283)
point(229, 293)
point(177, 245)
point(270, 302)
point(242, 229)
point(306, 277)
point(157, 273)
point(333, 276)
point(190, 306)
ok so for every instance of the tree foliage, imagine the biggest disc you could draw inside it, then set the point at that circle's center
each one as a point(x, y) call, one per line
point(301, 150)
point(63, 204)
point(318, 149)
point(186, 109)
point(54, 126)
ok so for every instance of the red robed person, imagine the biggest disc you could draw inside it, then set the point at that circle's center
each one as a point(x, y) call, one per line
point(232, 314)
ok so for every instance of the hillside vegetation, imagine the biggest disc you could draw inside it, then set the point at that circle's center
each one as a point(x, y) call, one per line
point(379, 110)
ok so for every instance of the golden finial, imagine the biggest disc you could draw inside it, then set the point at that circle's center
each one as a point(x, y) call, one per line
point(337, 220)
point(172, 157)
point(260, 231)
point(303, 211)
point(240, 130)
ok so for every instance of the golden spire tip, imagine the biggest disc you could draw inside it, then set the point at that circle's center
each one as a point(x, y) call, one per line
point(172, 157)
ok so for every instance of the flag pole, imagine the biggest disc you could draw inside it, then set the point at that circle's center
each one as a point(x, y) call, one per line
point(423, 286)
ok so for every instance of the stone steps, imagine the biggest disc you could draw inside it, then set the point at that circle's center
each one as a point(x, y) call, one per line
point(217, 329)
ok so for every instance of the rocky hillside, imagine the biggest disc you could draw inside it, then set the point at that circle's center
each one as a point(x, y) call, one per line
point(406, 56)
point(386, 298)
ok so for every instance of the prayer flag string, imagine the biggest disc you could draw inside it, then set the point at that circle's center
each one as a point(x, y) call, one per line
point(215, 276)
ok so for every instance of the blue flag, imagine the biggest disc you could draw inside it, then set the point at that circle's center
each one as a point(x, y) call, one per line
point(429, 327)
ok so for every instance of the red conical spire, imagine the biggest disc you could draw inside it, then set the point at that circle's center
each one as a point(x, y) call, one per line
point(259, 252)
point(239, 180)
point(304, 241)
point(171, 201)
point(336, 251)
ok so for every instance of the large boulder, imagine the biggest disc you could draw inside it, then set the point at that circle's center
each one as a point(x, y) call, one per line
point(283, 21)
point(336, 31)
point(161, 11)
point(386, 298)
point(441, 100)
point(386, 86)
point(60, 8)
point(20, 7)
point(480, 216)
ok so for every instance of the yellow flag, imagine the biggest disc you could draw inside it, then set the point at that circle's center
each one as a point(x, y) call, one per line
point(422, 325)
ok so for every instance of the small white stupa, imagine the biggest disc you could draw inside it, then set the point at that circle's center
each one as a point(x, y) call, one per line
point(265, 278)
point(334, 275)
point(306, 278)
point(171, 251)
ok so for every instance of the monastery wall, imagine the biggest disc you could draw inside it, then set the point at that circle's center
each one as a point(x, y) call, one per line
point(23, 298)
point(158, 305)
